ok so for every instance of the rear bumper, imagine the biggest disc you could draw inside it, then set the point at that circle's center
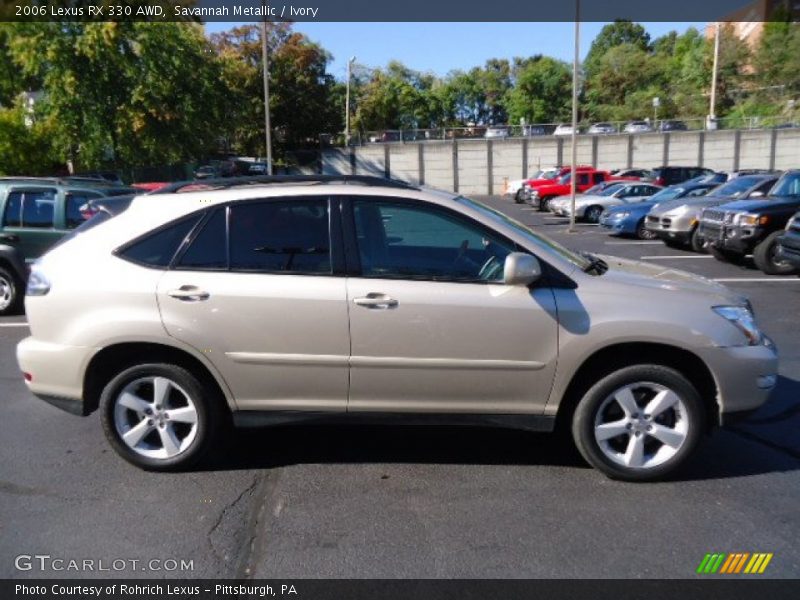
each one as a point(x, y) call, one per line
point(56, 372)
point(745, 376)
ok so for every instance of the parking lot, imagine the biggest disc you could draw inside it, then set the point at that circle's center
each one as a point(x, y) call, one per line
point(305, 501)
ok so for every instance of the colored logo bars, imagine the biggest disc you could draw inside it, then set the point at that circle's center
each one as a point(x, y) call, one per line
point(736, 563)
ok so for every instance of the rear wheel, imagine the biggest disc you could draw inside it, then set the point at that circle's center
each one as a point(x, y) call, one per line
point(593, 213)
point(544, 204)
point(10, 292)
point(159, 416)
point(518, 197)
point(639, 423)
point(766, 259)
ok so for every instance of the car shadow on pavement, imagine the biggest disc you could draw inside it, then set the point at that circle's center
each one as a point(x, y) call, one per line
point(749, 448)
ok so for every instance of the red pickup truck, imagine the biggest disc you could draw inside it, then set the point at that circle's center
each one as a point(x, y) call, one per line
point(586, 177)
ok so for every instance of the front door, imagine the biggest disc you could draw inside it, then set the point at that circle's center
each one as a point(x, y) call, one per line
point(433, 328)
point(256, 293)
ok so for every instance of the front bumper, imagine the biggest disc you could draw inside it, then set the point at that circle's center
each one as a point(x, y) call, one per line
point(745, 376)
point(56, 372)
point(730, 237)
point(677, 229)
point(624, 225)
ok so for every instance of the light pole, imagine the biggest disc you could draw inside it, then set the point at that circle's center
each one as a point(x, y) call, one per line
point(575, 115)
point(347, 103)
point(712, 111)
point(265, 66)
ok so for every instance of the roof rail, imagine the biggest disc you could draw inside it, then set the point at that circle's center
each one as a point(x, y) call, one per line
point(229, 182)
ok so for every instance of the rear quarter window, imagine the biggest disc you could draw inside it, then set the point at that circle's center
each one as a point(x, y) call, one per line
point(156, 249)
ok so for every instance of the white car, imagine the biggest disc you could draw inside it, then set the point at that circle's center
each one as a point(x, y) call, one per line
point(563, 129)
point(515, 186)
point(496, 132)
point(638, 127)
point(605, 188)
point(590, 207)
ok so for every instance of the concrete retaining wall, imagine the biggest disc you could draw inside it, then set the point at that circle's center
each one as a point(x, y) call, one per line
point(483, 166)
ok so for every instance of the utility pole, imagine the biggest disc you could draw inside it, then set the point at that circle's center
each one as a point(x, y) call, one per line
point(347, 103)
point(265, 65)
point(712, 111)
point(574, 115)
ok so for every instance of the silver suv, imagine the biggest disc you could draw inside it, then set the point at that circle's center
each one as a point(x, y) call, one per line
point(362, 298)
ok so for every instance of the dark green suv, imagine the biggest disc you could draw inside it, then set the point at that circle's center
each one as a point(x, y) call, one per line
point(36, 213)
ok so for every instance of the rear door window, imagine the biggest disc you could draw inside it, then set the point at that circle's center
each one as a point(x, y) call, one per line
point(158, 248)
point(209, 249)
point(283, 236)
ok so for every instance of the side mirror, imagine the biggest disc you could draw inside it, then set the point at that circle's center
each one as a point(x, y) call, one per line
point(521, 269)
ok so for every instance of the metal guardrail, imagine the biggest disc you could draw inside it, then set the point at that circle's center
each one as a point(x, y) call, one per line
point(358, 138)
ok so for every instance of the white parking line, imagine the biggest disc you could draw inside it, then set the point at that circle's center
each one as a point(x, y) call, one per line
point(756, 280)
point(13, 324)
point(673, 256)
point(633, 243)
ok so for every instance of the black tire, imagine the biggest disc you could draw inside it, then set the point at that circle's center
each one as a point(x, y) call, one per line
point(594, 400)
point(764, 255)
point(643, 233)
point(592, 214)
point(209, 416)
point(727, 256)
point(697, 242)
point(544, 204)
point(10, 292)
point(518, 197)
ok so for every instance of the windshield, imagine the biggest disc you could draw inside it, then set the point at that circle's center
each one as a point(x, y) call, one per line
point(542, 242)
point(736, 187)
point(612, 189)
point(788, 185)
point(668, 194)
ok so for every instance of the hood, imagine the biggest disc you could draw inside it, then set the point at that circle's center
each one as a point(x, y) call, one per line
point(664, 279)
point(755, 205)
point(701, 202)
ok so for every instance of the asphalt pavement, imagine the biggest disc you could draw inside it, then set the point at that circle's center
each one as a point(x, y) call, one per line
point(312, 501)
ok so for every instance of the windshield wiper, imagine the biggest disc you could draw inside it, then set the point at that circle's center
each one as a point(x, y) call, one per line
point(597, 265)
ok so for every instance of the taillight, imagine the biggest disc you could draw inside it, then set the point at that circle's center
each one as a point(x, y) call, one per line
point(660, 181)
point(27, 376)
point(88, 211)
point(38, 284)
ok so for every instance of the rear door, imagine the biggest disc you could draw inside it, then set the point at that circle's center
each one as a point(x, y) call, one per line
point(257, 291)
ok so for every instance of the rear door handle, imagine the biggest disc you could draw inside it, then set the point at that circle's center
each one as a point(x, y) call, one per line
point(189, 293)
point(8, 237)
point(376, 300)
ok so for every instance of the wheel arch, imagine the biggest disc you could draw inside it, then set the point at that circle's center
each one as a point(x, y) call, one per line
point(111, 360)
point(610, 358)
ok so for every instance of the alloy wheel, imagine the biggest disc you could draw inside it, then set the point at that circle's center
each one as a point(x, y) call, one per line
point(6, 293)
point(155, 417)
point(641, 425)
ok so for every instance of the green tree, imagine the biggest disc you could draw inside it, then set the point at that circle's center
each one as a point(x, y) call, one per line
point(612, 35)
point(24, 143)
point(542, 91)
point(123, 93)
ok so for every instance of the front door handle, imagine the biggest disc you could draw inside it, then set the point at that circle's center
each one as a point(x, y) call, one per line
point(376, 300)
point(189, 293)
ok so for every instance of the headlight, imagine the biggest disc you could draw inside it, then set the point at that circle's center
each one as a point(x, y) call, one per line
point(38, 284)
point(618, 215)
point(744, 320)
point(752, 220)
point(535, 194)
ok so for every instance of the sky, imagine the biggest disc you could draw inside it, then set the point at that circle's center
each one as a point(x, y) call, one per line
point(442, 47)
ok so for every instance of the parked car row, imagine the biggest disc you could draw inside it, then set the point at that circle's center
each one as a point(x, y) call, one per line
point(731, 215)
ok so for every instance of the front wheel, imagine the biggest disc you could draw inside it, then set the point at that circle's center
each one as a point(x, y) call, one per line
point(698, 242)
point(159, 416)
point(544, 204)
point(765, 256)
point(639, 423)
point(593, 214)
point(643, 233)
